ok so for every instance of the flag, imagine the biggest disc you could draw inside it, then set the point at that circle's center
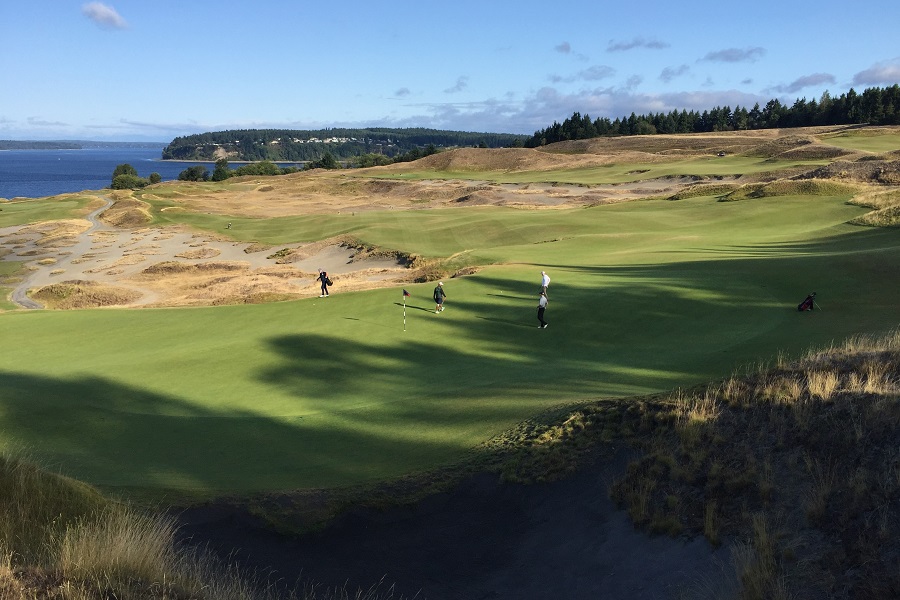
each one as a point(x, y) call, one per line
point(405, 293)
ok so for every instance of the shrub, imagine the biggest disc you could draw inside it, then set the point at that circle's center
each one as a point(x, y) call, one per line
point(129, 182)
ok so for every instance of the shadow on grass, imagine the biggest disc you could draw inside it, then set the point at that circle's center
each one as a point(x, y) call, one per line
point(359, 410)
point(414, 307)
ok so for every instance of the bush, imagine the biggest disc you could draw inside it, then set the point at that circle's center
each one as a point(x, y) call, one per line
point(129, 182)
point(195, 173)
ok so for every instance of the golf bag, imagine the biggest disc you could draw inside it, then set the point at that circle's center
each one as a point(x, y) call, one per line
point(808, 304)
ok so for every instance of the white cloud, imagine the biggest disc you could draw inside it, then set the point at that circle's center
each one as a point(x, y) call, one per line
point(461, 84)
point(734, 55)
point(806, 81)
point(103, 15)
point(670, 73)
point(41, 122)
point(564, 48)
point(638, 42)
point(887, 73)
point(595, 73)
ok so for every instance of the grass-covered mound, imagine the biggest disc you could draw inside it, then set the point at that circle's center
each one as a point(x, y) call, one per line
point(83, 294)
point(127, 212)
point(885, 205)
point(795, 466)
point(62, 540)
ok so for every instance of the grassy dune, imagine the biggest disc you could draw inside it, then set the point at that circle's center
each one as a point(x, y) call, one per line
point(624, 172)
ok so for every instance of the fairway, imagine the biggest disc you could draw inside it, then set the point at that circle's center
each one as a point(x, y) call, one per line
point(646, 296)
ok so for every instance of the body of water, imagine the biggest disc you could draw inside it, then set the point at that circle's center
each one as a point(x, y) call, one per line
point(40, 173)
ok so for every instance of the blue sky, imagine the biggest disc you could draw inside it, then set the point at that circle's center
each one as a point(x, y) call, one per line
point(140, 70)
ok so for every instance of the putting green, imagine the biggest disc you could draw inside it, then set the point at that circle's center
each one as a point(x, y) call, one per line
point(646, 296)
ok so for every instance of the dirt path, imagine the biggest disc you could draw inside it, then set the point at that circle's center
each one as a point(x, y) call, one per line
point(483, 540)
point(20, 293)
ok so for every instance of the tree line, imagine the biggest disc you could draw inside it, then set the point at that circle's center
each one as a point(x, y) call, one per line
point(35, 145)
point(875, 106)
point(125, 176)
point(287, 145)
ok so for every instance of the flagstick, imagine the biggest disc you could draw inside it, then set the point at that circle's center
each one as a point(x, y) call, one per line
point(404, 312)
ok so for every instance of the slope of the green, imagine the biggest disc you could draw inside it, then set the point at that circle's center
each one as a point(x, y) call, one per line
point(22, 212)
point(866, 140)
point(646, 296)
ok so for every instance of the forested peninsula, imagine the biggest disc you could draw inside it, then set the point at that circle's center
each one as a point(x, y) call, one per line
point(32, 145)
point(290, 145)
point(71, 144)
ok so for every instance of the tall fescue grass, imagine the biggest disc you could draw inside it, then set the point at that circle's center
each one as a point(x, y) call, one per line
point(885, 205)
point(789, 187)
point(798, 464)
point(63, 540)
point(36, 504)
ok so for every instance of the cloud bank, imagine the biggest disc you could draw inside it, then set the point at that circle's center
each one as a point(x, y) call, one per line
point(886, 73)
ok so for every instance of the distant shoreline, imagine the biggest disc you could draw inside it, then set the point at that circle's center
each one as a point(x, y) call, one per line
point(277, 162)
point(74, 145)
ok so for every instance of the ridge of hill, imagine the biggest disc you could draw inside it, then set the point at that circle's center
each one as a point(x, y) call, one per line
point(308, 145)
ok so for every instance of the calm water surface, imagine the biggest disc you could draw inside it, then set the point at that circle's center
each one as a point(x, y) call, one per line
point(40, 173)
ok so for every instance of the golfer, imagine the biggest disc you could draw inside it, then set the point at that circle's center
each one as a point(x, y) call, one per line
point(439, 296)
point(545, 281)
point(323, 279)
point(542, 306)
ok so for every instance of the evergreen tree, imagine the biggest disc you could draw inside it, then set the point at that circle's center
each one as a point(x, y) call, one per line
point(124, 169)
point(195, 173)
point(221, 172)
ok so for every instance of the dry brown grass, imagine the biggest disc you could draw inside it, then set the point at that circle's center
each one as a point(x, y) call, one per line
point(127, 211)
point(83, 294)
point(214, 283)
point(885, 205)
point(199, 253)
point(62, 540)
point(55, 233)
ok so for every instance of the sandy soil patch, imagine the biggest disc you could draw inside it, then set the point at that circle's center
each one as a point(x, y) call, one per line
point(173, 267)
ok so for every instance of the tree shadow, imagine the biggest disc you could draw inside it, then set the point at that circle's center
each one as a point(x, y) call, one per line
point(361, 409)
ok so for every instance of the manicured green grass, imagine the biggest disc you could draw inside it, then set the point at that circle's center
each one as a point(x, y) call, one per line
point(646, 296)
point(871, 142)
point(624, 172)
point(21, 212)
